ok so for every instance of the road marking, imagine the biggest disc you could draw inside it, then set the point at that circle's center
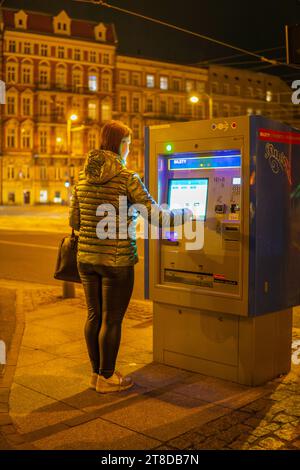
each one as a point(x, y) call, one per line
point(29, 244)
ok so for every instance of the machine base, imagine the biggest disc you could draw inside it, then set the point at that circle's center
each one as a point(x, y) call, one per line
point(249, 351)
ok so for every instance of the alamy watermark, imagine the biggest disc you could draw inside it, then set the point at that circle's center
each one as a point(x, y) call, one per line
point(2, 92)
point(176, 224)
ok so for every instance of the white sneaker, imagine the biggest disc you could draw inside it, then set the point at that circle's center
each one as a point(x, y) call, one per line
point(93, 382)
point(115, 383)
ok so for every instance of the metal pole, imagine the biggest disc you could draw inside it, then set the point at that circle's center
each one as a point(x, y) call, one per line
point(68, 287)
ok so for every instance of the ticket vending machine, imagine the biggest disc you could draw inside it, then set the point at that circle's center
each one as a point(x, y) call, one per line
point(224, 308)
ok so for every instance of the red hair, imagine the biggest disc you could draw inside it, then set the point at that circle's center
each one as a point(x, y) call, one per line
point(112, 134)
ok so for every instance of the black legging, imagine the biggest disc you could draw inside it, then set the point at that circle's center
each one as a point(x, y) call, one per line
point(107, 290)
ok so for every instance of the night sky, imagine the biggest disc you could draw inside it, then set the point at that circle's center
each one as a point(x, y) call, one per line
point(253, 25)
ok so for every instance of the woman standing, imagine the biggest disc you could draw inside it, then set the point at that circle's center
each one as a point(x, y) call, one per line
point(106, 264)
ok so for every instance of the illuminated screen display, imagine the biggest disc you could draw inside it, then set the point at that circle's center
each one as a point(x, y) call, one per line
point(190, 193)
point(205, 160)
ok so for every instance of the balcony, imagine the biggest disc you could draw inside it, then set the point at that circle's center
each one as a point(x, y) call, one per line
point(83, 90)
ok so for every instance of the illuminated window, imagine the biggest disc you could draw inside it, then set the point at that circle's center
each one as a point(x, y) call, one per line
point(92, 110)
point(189, 85)
point(93, 85)
point(249, 111)
point(106, 110)
point(150, 82)
point(269, 95)
point(43, 195)
point(164, 83)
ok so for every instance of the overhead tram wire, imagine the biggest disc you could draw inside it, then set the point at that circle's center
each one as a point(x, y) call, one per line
point(274, 62)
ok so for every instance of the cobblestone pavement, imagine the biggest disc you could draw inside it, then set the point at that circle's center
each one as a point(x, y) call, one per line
point(269, 423)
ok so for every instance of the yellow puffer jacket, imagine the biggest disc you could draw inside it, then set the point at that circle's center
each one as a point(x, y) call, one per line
point(103, 180)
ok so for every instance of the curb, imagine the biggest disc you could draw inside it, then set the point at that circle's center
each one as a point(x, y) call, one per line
point(9, 435)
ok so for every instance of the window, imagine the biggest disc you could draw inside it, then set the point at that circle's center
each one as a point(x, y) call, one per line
point(136, 130)
point(200, 87)
point(57, 197)
point(43, 172)
point(237, 90)
point(226, 88)
point(26, 172)
point(236, 110)
point(163, 107)
point(249, 111)
point(176, 106)
point(150, 81)
point(149, 105)
point(12, 46)
point(92, 110)
point(250, 91)
point(226, 110)
point(124, 78)
point(268, 96)
point(106, 59)
point(60, 109)
point(11, 137)
point(215, 87)
point(215, 110)
point(26, 106)
point(92, 139)
point(164, 83)
point(44, 50)
point(57, 173)
point(77, 54)
point(10, 172)
point(26, 138)
point(93, 83)
point(106, 110)
point(61, 52)
point(259, 93)
point(123, 104)
point(176, 84)
point(43, 194)
point(11, 73)
point(11, 105)
point(27, 48)
point(105, 83)
point(43, 142)
point(26, 75)
point(60, 77)
point(92, 56)
point(44, 77)
point(44, 108)
point(136, 105)
point(136, 79)
point(189, 86)
point(76, 80)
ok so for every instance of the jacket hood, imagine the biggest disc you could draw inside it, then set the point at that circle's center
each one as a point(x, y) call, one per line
point(102, 165)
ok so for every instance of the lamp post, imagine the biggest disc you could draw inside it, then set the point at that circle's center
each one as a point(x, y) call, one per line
point(68, 287)
point(72, 118)
point(195, 99)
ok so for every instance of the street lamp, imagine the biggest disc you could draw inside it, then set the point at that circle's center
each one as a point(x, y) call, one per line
point(72, 118)
point(195, 99)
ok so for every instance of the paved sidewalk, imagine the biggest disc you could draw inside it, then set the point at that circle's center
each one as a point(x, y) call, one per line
point(168, 408)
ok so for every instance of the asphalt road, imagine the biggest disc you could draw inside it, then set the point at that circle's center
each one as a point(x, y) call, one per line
point(31, 256)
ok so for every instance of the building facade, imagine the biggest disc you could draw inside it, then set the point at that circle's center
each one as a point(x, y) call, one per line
point(56, 67)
